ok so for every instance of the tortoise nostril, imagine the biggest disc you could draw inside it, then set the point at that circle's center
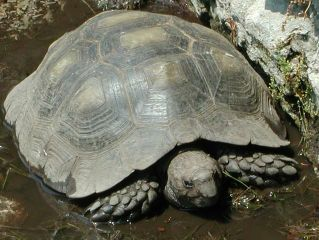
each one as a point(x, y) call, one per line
point(188, 184)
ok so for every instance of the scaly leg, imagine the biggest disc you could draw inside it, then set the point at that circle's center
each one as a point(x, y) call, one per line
point(125, 204)
point(259, 169)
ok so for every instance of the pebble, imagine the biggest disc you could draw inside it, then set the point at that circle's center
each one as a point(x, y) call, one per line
point(232, 155)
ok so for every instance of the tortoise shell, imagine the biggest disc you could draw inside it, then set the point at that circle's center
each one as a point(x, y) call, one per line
point(122, 90)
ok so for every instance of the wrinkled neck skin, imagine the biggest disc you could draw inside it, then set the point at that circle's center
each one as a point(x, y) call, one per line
point(193, 180)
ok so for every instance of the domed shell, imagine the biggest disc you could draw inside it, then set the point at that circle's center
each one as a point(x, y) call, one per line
point(123, 89)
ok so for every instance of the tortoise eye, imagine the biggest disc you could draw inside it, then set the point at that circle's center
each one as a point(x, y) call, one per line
point(188, 184)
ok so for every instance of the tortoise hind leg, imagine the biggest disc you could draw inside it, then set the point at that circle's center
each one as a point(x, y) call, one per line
point(126, 204)
point(259, 169)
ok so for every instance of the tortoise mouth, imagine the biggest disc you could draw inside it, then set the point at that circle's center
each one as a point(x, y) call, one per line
point(201, 195)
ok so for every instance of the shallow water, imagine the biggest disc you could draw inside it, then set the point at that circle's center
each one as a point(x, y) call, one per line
point(48, 218)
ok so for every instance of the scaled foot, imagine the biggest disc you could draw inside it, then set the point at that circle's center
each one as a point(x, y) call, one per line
point(126, 204)
point(258, 168)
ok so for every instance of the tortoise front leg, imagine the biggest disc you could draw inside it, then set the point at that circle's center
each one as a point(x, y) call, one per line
point(125, 204)
point(259, 169)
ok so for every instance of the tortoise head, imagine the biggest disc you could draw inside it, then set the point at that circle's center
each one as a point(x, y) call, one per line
point(193, 180)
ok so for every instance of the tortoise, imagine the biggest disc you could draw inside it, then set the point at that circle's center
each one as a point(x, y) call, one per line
point(117, 106)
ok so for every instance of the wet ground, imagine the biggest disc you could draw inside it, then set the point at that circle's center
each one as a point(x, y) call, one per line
point(254, 214)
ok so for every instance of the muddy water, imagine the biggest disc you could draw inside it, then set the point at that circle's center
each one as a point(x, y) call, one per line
point(47, 217)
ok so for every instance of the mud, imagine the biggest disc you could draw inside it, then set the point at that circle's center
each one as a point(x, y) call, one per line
point(262, 214)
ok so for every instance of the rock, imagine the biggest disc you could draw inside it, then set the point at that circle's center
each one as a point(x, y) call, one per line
point(268, 35)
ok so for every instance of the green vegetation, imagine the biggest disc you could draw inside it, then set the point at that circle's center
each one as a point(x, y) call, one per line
point(295, 94)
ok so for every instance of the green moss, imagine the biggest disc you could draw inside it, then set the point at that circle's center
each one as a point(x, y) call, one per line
point(295, 94)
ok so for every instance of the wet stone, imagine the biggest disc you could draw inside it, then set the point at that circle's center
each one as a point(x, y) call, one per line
point(114, 200)
point(260, 163)
point(271, 171)
point(223, 160)
point(267, 158)
point(244, 165)
point(233, 167)
point(145, 187)
point(289, 170)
